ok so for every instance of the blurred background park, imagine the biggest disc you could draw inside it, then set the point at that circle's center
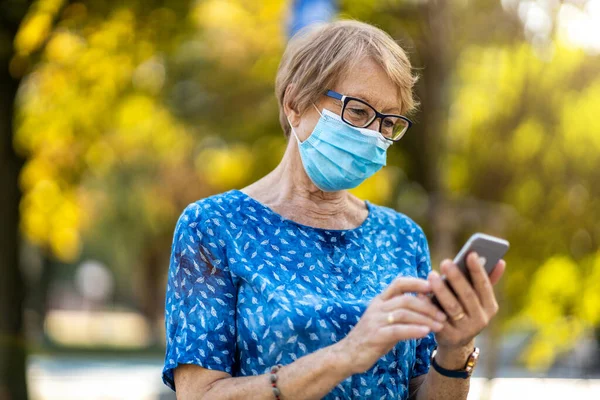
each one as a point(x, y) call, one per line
point(114, 115)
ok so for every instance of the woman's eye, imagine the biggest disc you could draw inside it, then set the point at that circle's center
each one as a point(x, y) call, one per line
point(358, 112)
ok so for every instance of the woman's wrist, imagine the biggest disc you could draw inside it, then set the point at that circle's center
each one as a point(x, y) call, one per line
point(454, 358)
point(325, 369)
point(341, 358)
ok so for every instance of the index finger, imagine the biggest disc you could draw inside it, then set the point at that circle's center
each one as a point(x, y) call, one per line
point(480, 281)
point(497, 272)
point(406, 285)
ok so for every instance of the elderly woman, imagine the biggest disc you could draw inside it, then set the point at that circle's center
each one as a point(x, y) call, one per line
point(293, 288)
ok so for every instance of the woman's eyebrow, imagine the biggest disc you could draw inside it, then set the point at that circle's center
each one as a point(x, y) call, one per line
point(365, 97)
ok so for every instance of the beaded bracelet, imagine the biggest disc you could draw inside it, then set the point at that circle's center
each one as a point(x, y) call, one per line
point(276, 391)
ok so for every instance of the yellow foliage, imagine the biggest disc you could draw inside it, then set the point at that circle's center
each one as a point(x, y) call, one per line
point(580, 126)
point(227, 167)
point(540, 355)
point(50, 6)
point(526, 194)
point(36, 26)
point(556, 281)
point(65, 240)
point(158, 208)
point(217, 14)
point(33, 32)
point(142, 124)
point(379, 188)
point(50, 217)
point(527, 140)
point(458, 174)
point(35, 171)
point(64, 47)
point(518, 112)
point(100, 157)
point(563, 303)
point(551, 340)
point(77, 112)
point(135, 112)
point(237, 30)
point(590, 298)
point(116, 32)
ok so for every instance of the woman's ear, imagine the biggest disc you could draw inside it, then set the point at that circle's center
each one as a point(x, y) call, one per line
point(289, 106)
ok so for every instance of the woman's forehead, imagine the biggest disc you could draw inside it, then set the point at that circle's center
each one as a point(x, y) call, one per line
point(369, 82)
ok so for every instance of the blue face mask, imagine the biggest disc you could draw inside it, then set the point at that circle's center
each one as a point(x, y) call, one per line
point(338, 156)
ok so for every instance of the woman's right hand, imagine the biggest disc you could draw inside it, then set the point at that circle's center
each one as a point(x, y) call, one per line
point(392, 316)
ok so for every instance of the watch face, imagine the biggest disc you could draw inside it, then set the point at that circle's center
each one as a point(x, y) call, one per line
point(472, 361)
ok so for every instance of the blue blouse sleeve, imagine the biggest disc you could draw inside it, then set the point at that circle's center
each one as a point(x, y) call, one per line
point(200, 298)
point(426, 345)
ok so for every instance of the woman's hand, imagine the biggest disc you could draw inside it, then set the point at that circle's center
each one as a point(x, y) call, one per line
point(473, 306)
point(392, 316)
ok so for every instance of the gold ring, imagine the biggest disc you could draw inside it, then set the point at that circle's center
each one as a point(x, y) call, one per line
point(390, 318)
point(458, 316)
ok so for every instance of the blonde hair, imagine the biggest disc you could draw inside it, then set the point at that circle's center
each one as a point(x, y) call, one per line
point(318, 56)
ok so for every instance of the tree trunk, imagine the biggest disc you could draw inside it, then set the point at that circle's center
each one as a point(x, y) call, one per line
point(151, 297)
point(13, 385)
point(437, 59)
point(12, 290)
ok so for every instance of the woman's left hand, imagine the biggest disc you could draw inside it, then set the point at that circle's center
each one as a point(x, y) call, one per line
point(473, 306)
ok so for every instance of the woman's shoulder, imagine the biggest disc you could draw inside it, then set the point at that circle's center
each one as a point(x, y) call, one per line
point(218, 206)
point(211, 216)
point(386, 216)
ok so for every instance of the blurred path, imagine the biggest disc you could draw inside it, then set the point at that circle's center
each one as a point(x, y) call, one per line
point(78, 378)
point(139, 378)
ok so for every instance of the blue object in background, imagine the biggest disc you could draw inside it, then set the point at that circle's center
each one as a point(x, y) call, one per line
point(306, 12)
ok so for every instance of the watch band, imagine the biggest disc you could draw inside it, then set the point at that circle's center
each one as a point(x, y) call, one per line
point(462, 374)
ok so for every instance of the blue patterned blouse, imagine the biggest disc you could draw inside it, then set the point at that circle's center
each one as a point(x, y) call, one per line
point(248, 289)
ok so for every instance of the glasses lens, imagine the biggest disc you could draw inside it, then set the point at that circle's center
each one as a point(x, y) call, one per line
point(393, 127)
point(358, 114)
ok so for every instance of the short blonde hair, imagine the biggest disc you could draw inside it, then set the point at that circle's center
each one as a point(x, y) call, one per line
point(318, 55)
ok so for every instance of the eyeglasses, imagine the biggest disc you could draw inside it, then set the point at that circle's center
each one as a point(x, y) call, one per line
point(361, 114)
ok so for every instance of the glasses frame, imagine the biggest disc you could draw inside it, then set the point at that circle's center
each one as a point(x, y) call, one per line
point(345, 99)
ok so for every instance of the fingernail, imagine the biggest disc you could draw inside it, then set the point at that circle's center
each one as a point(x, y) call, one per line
point(441, 316)
point(437, 326)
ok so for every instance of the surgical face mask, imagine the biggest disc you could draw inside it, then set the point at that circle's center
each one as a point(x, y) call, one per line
point(338, 156)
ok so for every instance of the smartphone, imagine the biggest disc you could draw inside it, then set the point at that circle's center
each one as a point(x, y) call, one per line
point(490, 250)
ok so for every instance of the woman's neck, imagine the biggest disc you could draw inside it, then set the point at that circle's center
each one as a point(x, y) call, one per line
point(290, 192)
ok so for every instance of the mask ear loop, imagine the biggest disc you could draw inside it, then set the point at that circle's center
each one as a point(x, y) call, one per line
point(313, 104)
point(294, 131)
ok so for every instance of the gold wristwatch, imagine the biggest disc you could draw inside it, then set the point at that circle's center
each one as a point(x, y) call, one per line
point(464, 373)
